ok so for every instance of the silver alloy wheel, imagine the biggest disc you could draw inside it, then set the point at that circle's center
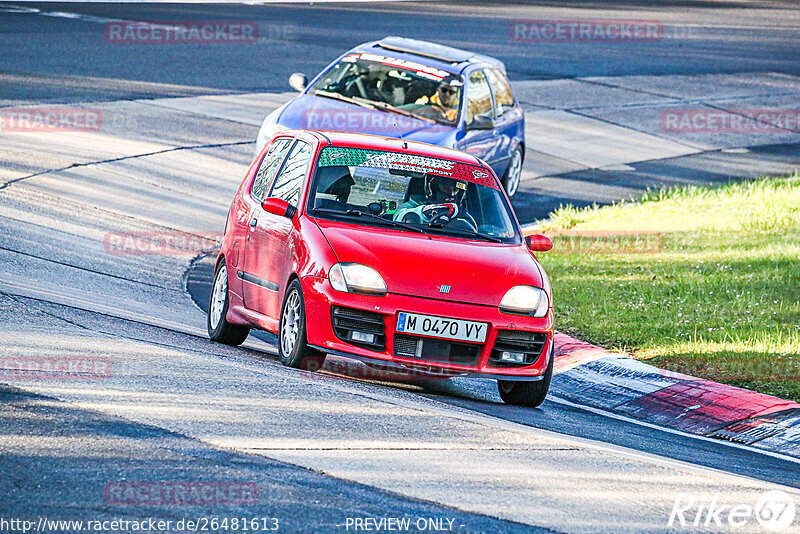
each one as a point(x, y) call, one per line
point(514, 173)
point(291, 323)
point(219, 296)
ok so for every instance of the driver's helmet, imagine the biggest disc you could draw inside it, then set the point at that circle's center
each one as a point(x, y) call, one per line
point(444, 189)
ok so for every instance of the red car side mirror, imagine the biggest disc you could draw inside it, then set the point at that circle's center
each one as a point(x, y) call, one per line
point(539, 242)
point(277, 206)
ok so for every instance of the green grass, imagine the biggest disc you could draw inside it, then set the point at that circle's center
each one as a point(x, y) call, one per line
point(721, 300)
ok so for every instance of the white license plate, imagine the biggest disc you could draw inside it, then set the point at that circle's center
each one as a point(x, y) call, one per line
point(442, 327)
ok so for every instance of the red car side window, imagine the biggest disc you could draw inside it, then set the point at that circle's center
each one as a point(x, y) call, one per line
point(269, 166)
point(290, 180)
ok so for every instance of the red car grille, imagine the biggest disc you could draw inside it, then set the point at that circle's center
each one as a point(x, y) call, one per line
point(436, 350)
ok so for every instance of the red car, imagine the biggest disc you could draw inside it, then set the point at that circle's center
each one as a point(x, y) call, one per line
point(392, 252)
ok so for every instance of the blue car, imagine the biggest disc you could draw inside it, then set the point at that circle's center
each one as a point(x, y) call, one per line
point(414, 90)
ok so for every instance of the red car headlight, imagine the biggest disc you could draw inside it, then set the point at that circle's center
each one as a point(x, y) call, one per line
point(525, 300)
point(356, 278)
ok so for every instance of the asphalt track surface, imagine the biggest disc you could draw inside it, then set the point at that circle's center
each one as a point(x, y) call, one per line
point(320, 448)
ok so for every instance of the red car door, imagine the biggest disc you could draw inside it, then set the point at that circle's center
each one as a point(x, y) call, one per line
point(268, 254)
point(255, 292)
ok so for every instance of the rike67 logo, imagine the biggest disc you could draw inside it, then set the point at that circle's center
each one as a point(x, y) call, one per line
point(773, 511)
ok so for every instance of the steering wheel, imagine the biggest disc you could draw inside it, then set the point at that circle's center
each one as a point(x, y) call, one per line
point(385, 89)
point(354, 81)
point(438, 212)
point(447, 212)
point(450, 214)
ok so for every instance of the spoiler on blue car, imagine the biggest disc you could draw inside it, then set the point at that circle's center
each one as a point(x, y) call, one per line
point(436, 51)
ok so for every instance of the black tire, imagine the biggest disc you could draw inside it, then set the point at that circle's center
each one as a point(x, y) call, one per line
point(511, 183)
point(223, 331)
point(297, 353)
point(530, 394)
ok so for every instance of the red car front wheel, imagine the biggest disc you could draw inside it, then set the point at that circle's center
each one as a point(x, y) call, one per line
point(293, 349)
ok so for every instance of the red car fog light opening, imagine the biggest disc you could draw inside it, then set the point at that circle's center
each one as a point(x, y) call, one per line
point(359, 327)
point(512, 357)
point(514, 348)
point(363, 337)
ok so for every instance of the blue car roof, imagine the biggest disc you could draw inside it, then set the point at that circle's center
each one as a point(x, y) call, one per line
point(430, 54)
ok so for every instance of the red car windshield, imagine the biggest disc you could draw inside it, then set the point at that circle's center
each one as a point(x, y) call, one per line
point(421, 193)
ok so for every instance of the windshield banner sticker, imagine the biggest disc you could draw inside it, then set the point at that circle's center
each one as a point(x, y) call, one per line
point(422, 70)
point(359, 157)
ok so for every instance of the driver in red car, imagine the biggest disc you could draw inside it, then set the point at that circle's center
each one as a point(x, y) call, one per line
point(442, 200)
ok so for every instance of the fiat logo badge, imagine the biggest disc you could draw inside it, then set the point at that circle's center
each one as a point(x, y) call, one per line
point(444, 289)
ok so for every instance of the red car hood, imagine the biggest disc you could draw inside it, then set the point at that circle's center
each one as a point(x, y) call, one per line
point(411, 264)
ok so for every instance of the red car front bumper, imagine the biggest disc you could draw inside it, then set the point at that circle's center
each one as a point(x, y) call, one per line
point(320, 297)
